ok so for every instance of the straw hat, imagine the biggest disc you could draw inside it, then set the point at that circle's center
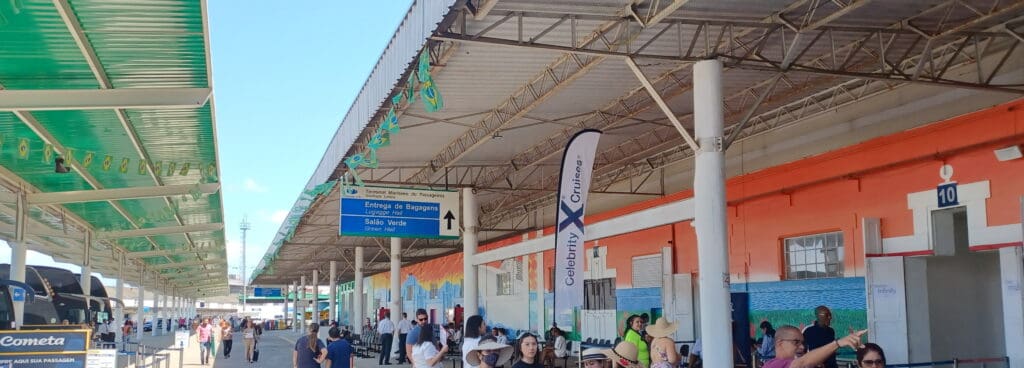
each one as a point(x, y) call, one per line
point(593, 354)
point(623, 355)
point(504, 353)
point(662, 328)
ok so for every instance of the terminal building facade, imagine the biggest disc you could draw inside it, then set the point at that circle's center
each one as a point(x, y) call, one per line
point(858, 229)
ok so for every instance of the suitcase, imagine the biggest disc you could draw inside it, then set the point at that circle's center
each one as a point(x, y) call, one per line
point(255, 354)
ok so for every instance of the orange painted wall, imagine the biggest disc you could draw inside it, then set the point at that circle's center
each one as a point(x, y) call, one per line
point(827, 192)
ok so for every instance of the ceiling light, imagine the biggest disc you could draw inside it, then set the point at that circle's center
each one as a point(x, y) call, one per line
point(1008, 153)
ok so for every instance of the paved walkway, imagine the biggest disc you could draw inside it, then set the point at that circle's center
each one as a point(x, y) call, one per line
point(275, 347)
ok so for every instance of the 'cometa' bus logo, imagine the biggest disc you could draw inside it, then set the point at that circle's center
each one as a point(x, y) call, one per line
point(42, 341)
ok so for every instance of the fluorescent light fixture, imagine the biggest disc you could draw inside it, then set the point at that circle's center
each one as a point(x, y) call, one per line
point(1008, 153)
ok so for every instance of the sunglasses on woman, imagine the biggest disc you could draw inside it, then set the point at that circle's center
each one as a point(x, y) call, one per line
point(872, 363)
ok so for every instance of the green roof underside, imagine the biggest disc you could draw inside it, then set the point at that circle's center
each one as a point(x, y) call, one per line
point(151, 44)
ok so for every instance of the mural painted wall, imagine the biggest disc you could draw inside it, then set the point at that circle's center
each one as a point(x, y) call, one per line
point(831, 192)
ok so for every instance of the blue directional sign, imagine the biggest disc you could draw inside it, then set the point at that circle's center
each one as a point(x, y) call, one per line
point(267, 292)
point(947, 195)
point(399, 212)
point(17, 294)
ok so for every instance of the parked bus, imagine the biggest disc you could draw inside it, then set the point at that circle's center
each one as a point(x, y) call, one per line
point(68, 297)
point(7, 301)
point(39, 310)
point(106, 304)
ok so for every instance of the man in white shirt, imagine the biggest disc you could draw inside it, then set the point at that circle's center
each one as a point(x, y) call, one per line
point(386, 329)
point(404, 326)
point(104, 330)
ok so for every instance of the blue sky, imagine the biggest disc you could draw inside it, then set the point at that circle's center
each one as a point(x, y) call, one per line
point(284, 74)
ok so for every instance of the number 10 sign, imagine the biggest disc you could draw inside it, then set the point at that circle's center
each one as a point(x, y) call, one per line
point(947, 195)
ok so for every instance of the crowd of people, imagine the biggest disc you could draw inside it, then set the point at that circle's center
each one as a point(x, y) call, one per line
point(643, 345)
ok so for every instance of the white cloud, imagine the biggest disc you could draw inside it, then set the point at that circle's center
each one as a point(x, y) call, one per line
point(234, 247)
point(252, 186)
point(279, 216)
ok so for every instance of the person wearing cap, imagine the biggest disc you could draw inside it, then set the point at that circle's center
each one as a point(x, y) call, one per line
point(623, 355)
point(489, 354)
point(663, 348)
point(594, 358)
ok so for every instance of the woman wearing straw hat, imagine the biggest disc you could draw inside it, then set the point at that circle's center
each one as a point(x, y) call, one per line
point(489, 354)
point(594, 358)
point(623, 355)
point(663, 348)
point(632, 334)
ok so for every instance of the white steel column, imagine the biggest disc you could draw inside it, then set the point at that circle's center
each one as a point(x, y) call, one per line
point(332, 313)
point(357, 301)
point(470, 214)
point(156, 313)
point(303, 303)
point(140, 314)
point(119, 295)
point(396, 288)
point(295, 305)
point(86, 280)
point(316, 297)
point(541, 326)
point(19, 256)
point(709, 219)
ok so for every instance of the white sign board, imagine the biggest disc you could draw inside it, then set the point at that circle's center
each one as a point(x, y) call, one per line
point(399, 212)
point(102, 358)
point(181, 339)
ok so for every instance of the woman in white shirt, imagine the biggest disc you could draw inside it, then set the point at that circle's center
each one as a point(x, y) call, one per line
point(425, 353)
point(475, 329)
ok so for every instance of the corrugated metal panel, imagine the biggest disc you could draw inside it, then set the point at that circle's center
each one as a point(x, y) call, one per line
point(420, 22)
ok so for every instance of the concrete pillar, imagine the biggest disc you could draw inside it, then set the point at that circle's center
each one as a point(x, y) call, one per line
point(19, 257)
point(470, 215)
point(357, 302)
point(709, 219)
point(396, 287)
point(332, 283)
point(140, 311)
point(303, 303)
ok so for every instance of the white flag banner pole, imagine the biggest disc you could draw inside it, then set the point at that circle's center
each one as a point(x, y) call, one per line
point(574, 184)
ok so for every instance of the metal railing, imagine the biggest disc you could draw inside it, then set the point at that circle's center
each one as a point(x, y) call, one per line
point(150, 357)
point(997, 362)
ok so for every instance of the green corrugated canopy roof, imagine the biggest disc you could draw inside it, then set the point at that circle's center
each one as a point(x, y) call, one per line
point(120, 90)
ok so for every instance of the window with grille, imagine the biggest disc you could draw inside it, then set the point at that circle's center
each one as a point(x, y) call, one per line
point(599, 294)
point(814, 256)
point(408, 292)
point(433, 291)
point(504, 283)
point(462, 284)
point(647, 271)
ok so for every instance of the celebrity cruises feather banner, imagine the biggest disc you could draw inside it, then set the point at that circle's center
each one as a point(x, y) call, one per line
point(577, 167)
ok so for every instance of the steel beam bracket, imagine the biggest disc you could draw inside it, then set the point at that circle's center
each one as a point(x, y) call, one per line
point(712, 144)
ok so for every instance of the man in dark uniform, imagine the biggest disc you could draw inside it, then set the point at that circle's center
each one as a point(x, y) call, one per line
point(821, 334)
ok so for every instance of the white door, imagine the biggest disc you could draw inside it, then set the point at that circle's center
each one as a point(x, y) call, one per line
point(682, 306)
point(887, 306)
